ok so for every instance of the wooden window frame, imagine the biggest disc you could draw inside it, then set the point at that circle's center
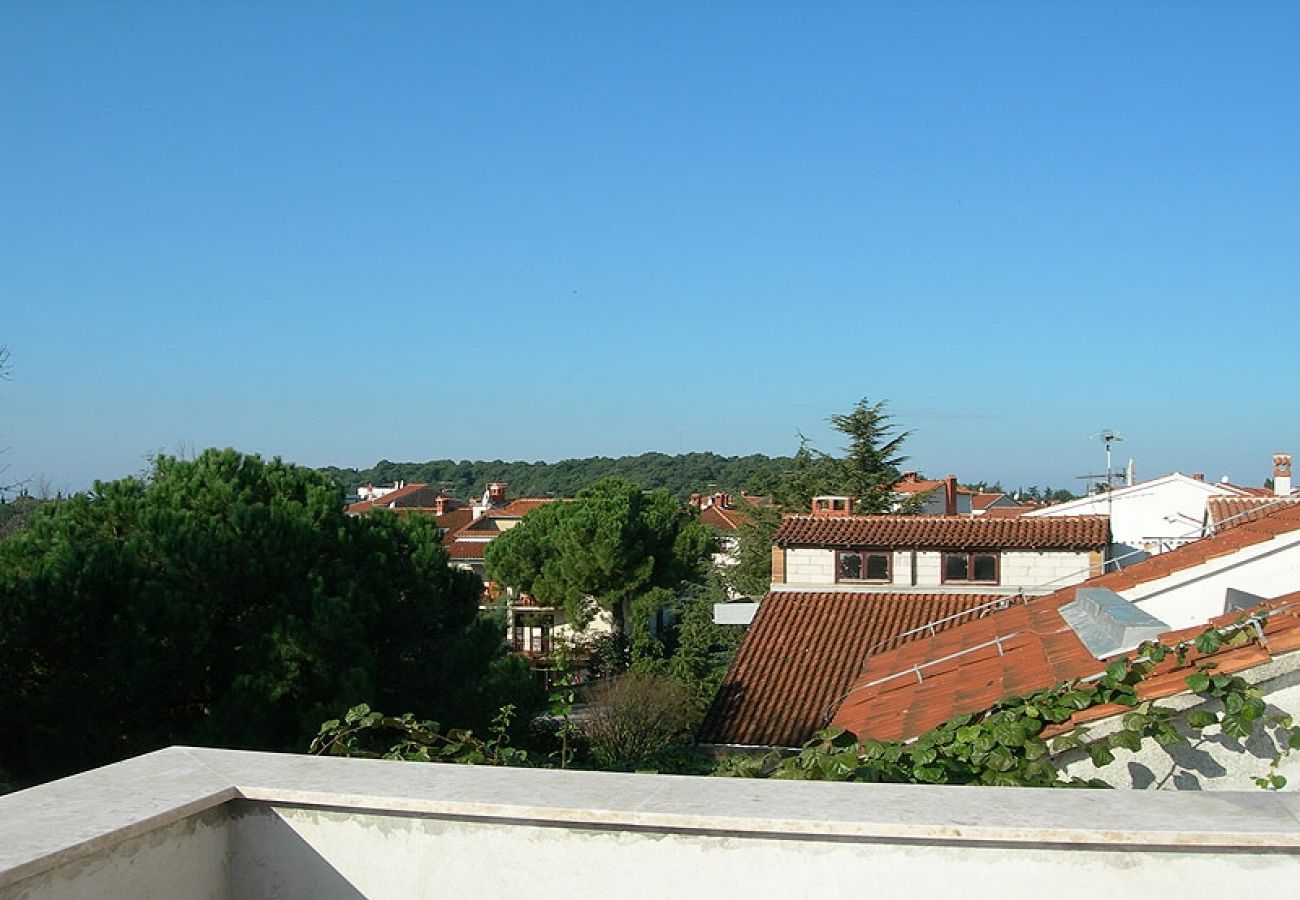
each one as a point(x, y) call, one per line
point(970, 566)
point(864, 553)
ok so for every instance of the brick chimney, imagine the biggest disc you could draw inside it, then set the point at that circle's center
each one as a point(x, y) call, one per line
point(1281, 474)
point(497, 493)
point(440, 504)
point(950, 495)
point(832, 507)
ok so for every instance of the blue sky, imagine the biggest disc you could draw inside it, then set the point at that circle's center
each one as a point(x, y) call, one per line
point(343, 232)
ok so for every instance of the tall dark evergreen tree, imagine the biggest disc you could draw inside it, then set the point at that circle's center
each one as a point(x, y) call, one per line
point(228, 600)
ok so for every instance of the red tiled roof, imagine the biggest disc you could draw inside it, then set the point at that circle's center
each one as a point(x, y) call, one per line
point(463, 548)
point(454, 521)
point(515, 509)
point(945, 532)
point(520, 507)
point(802, 652)
point(1227, 512)
point(1014, 651)
point(916, 487)
point(387, 500)
point(1006, 512)
point(723, 519)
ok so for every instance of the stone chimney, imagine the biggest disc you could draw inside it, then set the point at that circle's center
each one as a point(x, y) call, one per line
point(1281, 474)
point(832, 507)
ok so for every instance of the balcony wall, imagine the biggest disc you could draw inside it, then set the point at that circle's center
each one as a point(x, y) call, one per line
point(213, 824)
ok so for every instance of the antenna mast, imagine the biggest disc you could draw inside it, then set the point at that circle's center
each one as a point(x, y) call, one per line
point(1108, 437)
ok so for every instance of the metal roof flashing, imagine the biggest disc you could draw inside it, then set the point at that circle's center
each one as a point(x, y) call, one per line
point(1107, 623)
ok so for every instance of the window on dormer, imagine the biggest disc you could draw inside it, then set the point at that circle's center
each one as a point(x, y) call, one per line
point(862, 565)
point(970, 568)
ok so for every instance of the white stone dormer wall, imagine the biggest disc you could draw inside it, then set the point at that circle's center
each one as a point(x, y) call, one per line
point(1036, 571)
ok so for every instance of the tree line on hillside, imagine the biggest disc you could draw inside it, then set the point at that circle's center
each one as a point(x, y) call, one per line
point(679, 474)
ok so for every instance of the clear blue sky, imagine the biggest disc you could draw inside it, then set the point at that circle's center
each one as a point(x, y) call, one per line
point(342, 232)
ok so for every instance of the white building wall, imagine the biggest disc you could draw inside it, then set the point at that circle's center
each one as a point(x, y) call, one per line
point(815, 567)
point(1038, 569)
point(929, 569)
point(324, 828)
point(1147, 518)
point(809, 565)
point(1196, 595)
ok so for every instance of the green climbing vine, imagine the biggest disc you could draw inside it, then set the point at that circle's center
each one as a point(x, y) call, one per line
point(368, 734)
point(1007, 744)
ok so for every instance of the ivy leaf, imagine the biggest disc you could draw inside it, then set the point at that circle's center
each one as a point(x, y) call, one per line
point(1199, 683)
point(1009, 735)
point(1129, 740)
point(1166, 735)
point(926, 755)
point(1001, 760)
point(1239, 637)
point(1201, 718)
point(1101, 755)
point(1235, 726)
point(929, 774)
point(1069, 741)
point(1117, 670)
point(1077, 699)
point(1209, 641)
point(1136, 721)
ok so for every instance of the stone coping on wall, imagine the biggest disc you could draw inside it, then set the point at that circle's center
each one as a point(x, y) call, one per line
point(56, 823)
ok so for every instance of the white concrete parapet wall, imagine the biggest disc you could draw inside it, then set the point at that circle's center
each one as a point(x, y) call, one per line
point(191, 823)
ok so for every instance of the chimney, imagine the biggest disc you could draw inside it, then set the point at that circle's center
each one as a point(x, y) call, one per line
point(697, 501)
point(1282, 474)
point(950, 495)
point(439, 505)
point(497, 493)
point(1198, 476)
point(832, 507)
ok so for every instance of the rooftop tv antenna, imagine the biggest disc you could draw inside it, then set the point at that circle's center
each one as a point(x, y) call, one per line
point(1108, 437)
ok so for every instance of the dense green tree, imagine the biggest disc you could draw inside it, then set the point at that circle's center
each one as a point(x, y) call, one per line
point(866, 472)
point(751, 575)
point(870, 466)
point(228, 600)
point(701, 651)
point(614, 547)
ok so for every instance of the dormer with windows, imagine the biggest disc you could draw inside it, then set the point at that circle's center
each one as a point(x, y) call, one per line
point(833, 550)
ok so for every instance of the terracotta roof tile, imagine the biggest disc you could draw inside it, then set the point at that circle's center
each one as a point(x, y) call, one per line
point(723, 519)
point(1227, 512)
point(802, 652)
point(1046, 650)
point(519, 507)
point(407, 492)
point(945, 532)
